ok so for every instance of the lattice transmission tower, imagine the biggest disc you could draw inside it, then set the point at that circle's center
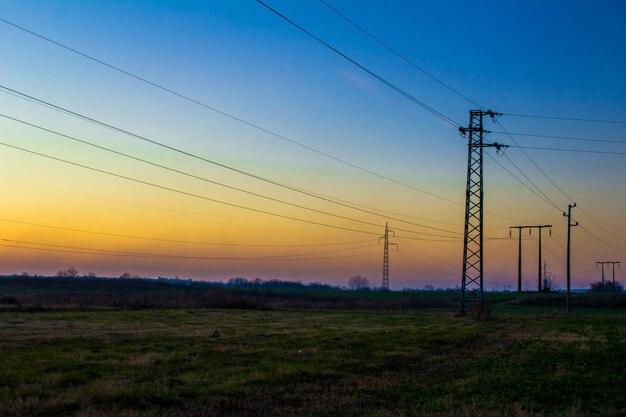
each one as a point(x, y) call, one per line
point(472, 278)
point(385, 237)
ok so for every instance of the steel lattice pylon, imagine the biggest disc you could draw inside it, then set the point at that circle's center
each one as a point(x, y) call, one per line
point(385, 237)
point(472, 278)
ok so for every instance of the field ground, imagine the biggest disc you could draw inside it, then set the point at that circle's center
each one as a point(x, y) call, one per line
point(525, 361)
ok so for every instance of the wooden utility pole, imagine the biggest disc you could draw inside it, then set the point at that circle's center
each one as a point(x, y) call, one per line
point(569, 251)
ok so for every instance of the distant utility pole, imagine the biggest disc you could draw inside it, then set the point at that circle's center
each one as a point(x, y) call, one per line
point(612, 263)
point(569, 250)
point(386, 255)
point(619, 266)
point(519, 262)
point(519, 256)
point(602, 263)
point(472, 277)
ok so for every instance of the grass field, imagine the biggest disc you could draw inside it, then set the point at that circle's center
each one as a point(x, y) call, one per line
point(526, 361)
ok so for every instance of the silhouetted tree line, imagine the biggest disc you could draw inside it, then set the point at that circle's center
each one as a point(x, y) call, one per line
point(239, 282)
point(79, 293)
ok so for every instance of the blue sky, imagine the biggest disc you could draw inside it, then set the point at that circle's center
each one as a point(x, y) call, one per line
point(540, 57)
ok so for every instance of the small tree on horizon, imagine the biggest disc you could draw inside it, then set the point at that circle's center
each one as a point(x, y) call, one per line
point(358, 282)
point(596, 287)
point(71, 272)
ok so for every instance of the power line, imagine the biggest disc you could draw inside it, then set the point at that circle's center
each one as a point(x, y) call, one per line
point(555, 185)
point(546, 198)
point(571, 150)
point(398, 54)
point(64, 110)
point(421, 262)
point(160, 255)
point(136, 204)
point(192, 155)
point(440, 115)
point(225, 185)
point(440, 261)
point(608, 244)
point(228, 115)
point(190, 242)
point(572, 119)
point(211, 108)
point(574, 138)
point(410, 62)
point(519, 180)
point(536, 166)
point(89, 251)
point(174, 190)
point(600, 226)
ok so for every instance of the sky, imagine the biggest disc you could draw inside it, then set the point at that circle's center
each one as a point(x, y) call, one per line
point(549, 58)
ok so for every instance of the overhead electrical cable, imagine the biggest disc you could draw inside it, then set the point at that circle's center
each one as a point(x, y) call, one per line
point(546, 198)
point(160, 255)
point(180, 95)
point(400, 91)
point(421, 262)
point(556, 185)
point(573, 138)
point(519, 180)
point(599, 225)
point(222, 184)
point(590, 151)
point(398, 54)
point(438, 260)
point(87, 252)
point(189, 242)
point(571, 119)
point(203, 159)
point(231, 116)
point(458, 93)
point(174, 190)
point(149, 206)
point(611, 245)
point(181, 192)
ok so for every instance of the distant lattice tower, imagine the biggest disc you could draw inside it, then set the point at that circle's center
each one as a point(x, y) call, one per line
point(385, 237)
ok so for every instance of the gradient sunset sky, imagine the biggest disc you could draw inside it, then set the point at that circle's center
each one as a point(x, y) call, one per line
point(554, 58)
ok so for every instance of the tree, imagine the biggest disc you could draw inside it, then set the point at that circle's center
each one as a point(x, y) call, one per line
point(608, 287)
point(429, 287)
point(68, 273)
point(358, 282)
point(237, 282)
point(549, 283)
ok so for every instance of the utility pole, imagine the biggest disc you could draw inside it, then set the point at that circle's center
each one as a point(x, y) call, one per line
point(519, 256)
point(519, 265)
point(472, 277)
point(569, 250)
point(612, 263)
point(619, 266)
point(386, 244)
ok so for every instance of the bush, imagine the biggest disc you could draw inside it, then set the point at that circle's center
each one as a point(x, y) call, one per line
point(608, 287)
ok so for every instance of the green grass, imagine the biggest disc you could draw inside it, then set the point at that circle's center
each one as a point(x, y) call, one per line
point(200, 362)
